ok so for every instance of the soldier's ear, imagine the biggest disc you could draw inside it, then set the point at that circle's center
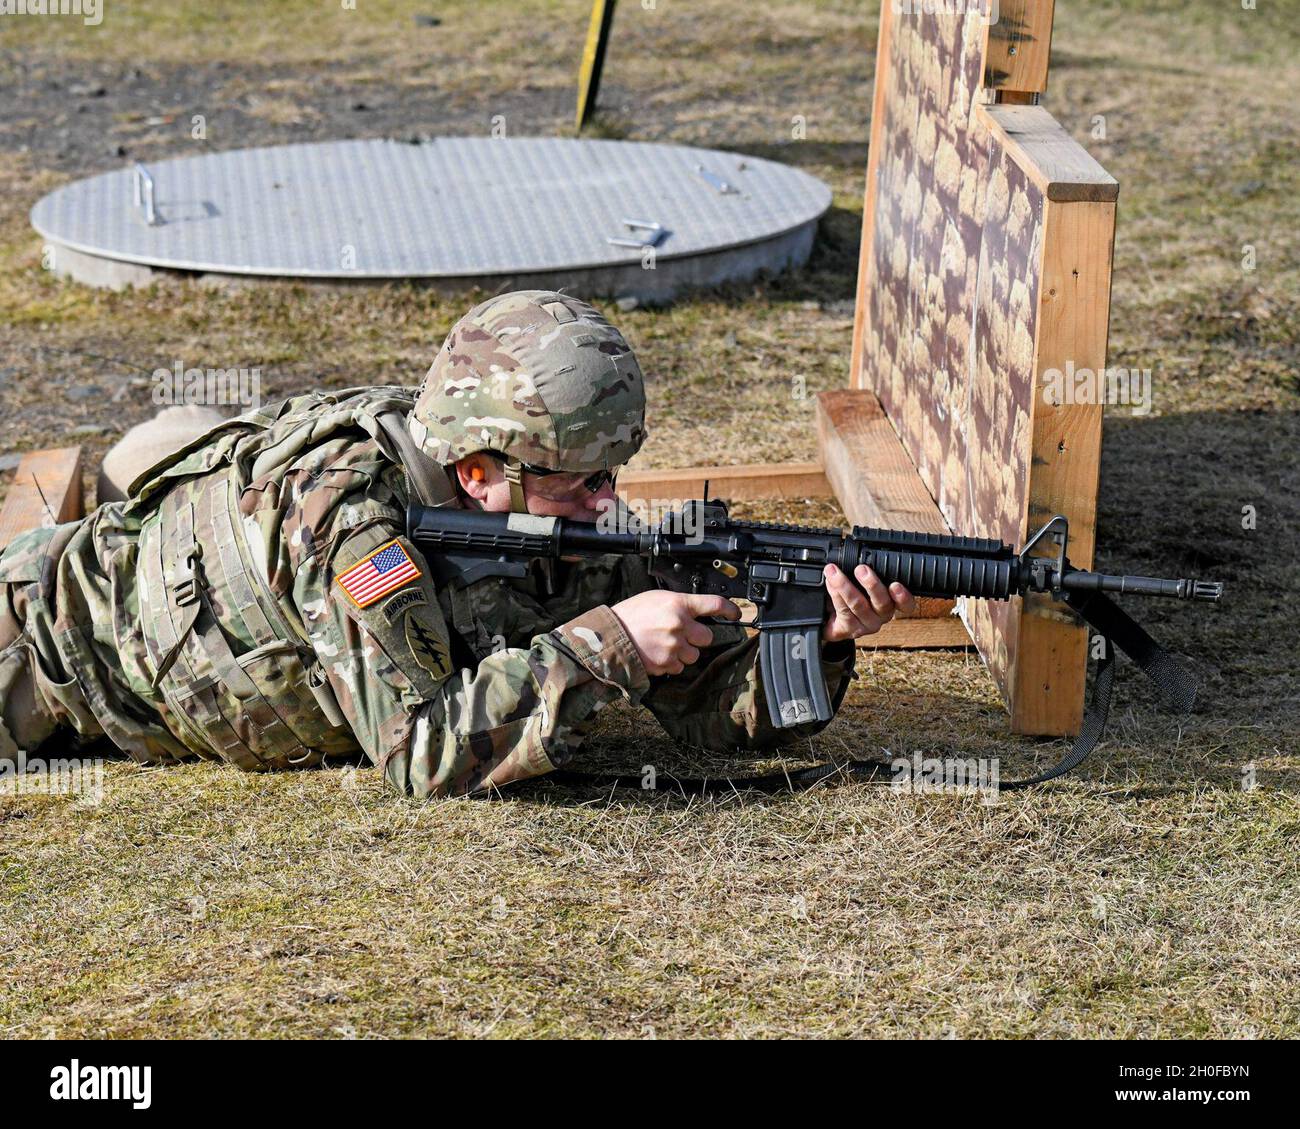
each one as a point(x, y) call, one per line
point(473, 477)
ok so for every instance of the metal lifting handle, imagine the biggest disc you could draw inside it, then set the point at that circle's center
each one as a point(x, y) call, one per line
point(143, 184)
point(655, 232)
point(723, 187)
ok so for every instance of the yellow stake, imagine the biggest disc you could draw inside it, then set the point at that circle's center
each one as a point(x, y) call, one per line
point(593, 59)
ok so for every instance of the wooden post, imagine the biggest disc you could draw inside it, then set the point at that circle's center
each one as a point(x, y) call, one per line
point(1046, 686)
point(1018, 48)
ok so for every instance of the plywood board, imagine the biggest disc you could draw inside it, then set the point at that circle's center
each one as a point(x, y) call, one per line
point(971, 213)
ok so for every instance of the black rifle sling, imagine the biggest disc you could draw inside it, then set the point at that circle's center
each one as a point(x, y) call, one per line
point(1170, 677)
point(1090, 732)
point(1117, 628)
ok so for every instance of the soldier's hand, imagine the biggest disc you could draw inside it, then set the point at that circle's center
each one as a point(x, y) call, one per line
point(855, 612)
point(664, 627)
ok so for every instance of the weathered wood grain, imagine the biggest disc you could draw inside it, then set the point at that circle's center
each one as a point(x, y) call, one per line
point(46, 491)
point(739, 483)
point(1018, 46)
point(1061, 168)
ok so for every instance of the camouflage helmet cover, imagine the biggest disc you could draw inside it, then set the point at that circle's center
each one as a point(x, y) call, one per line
point(538, 376)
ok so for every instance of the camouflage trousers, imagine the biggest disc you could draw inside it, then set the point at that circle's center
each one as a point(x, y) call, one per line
point(26, 717)
point(27, 684)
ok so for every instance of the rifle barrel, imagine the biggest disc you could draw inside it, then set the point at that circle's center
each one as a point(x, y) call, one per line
point(1080, 581)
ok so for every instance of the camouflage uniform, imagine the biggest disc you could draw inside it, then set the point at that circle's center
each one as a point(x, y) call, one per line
point(204, 614)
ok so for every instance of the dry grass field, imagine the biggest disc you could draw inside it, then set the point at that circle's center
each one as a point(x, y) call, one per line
point(1153, 894)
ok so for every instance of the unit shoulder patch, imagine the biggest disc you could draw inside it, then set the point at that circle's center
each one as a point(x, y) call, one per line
point(429, 650)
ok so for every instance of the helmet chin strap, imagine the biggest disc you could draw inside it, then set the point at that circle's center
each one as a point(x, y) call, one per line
point(514, 473)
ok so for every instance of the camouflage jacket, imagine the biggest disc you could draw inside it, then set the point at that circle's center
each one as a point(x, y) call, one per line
point(209, 614)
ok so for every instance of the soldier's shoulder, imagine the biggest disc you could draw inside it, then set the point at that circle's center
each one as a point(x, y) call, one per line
point(378, 578)
point(334, 496)
point(322, 401)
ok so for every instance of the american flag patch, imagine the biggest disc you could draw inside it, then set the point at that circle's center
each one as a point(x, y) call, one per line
point(371, 579)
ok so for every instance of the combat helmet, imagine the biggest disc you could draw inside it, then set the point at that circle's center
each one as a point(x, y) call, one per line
point(540, 378)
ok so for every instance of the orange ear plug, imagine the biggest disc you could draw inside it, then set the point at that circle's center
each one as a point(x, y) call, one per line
point(476, 473)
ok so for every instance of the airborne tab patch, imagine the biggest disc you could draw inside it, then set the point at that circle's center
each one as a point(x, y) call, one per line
point(373, 577)
point(403, 601)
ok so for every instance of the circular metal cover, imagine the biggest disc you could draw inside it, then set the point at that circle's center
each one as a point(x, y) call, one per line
point(454, 206)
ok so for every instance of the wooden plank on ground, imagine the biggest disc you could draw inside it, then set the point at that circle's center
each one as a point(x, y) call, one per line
point(738, 483)
point(46, 491)
point(906, 633)
point(867, 467)
point(913, 633)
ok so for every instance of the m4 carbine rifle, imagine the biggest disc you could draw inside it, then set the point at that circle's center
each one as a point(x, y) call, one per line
point(779, 569)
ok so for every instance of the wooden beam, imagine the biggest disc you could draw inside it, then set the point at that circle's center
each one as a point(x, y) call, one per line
point(1053, 160)
point(46, 491)
point(868, 468)
point(1015, 98)
point(872, 476)
point(1018, 47)
point(735, 483)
